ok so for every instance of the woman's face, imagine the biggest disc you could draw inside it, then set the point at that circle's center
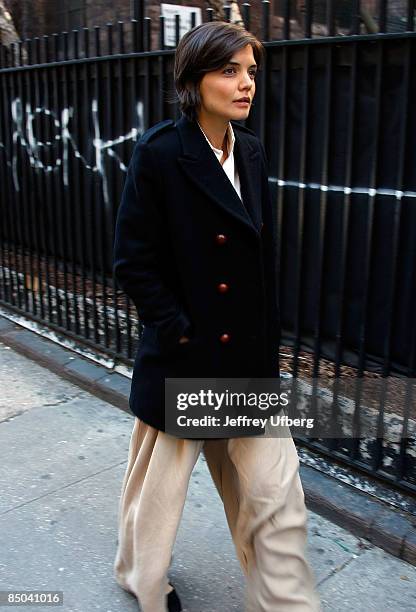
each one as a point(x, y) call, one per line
point(220, 89)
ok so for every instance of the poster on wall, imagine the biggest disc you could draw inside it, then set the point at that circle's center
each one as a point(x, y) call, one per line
point(185, 13)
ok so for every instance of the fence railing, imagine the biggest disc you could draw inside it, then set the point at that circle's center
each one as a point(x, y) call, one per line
point(336, 119)
point(330, 18)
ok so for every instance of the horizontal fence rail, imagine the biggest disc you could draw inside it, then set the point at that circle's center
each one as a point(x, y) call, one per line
point(335, 115)
point(307, 19)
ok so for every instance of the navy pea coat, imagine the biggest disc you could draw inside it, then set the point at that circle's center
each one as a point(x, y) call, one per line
point(197, 260)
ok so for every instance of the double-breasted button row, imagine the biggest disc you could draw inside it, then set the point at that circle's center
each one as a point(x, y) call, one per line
point(223, 287)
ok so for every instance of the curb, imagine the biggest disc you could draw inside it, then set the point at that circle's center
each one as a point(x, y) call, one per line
point(362, 515)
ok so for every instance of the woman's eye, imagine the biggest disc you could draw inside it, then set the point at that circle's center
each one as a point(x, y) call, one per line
point(252, 73)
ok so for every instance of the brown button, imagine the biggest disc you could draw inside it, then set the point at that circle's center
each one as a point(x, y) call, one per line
point(225, 338)
point(222, 287)
point(221, 238)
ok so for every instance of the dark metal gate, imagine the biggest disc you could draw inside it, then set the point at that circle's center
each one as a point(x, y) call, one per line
point(335, 115)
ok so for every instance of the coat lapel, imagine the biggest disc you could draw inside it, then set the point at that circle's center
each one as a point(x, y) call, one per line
point(202, 167)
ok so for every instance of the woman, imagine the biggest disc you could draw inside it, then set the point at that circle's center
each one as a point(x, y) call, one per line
point(195, 251)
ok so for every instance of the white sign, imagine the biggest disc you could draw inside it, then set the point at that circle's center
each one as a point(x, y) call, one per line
point(169, 11)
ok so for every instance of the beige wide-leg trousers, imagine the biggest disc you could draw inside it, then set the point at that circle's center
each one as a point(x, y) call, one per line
point(258, 481)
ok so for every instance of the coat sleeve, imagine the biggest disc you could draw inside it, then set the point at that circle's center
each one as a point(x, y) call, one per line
point(269, 241)
point(137, 247)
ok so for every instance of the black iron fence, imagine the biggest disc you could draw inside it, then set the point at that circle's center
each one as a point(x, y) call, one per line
point(295, 20)
point(335, 115)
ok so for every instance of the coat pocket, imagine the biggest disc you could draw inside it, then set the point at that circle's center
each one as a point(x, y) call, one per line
point(150, 342)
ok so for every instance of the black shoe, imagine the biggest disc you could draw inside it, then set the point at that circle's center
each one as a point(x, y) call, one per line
point(174, 603)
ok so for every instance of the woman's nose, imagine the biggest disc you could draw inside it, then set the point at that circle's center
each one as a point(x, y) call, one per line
point(246, 81)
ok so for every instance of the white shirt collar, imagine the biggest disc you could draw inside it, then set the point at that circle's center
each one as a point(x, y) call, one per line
point(230, 141)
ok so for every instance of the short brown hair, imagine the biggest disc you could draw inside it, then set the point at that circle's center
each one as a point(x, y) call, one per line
point(205, 48)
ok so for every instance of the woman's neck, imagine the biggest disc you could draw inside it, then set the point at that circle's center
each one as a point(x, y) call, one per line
point(215, 130)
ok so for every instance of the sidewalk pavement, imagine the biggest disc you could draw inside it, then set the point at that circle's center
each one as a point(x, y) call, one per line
point(63, 453)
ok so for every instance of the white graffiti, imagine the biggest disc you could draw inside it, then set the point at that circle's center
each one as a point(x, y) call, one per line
point(23, 135)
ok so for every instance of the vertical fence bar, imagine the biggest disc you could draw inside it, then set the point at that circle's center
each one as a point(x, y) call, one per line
point(410, 22)
point(18, 152)
point(358, 382)
point(65, 45)
point(103, 190)
point(97, 40)
point(75, 43)
point(120, 127)
point(345, 226)
point(68, 217)
point(120, 30)
point(356, 17)
point(91, 322)
point(264, 73)
point(369, 236)
point(40, 182)
point(42, 219)
point(20, 43)
point(286, 20)
point(177, 29)
point(135, 35)
point(94, 189)
point(281, 170)
point(21, 153)
point(63, 202)
point(281, 200)
point(56, 178)
point(323, 205)
point(162, 33)
point(382, 15)
point(301, 208)
point(401, 464)
point(392, 297)
point(34, 127)
point(24, 205)
point(78, 262)
point(148, 33)
point(51, 199)
point(33, 199)
point(161, 68)
point(330, 17)
point(265, 21)
point(109, 117)
point(7, 190)
point(246, 15)
point(138, 15)
point(5, 234)
point(379, 449)
point(109, 38)
point(308, 18)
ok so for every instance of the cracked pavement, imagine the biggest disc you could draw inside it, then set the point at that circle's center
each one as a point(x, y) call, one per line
point(63, 453)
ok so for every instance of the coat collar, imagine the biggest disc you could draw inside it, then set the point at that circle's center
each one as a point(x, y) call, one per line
point(202, 167)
